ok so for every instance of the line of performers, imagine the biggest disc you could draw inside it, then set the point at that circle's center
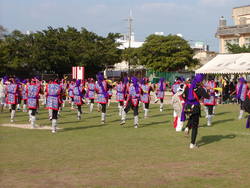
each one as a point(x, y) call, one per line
point(186, 98)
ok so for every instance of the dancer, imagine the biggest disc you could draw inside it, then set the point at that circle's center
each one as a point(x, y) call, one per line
point(53, 93)
point(102, 95)
point(192, 108)
point(246, 105)
point(210, 103)
point(12, 97)
point(134, 92)
point(2, 94)
point(91, 93)
point(24, 95)
point(78, 92)
point(241, 92)
point(110, 91)
point(33, 90)
point(178, 102)
point(70, 94)
point(145, 97)
point(120, 95)
point(160, 92)
point(174, 89)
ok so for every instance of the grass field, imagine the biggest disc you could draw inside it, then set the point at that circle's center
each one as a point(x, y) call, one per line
point(88, 154)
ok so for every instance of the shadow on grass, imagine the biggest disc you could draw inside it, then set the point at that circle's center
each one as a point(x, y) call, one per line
point(221, 113)
point(214, 138)
point(82, 127)
point(222, 121)
point(154, 123)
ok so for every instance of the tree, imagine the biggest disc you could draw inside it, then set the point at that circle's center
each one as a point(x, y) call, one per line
point(56, 50)
point(166, 53)
point(235, 48)
point(131, 55)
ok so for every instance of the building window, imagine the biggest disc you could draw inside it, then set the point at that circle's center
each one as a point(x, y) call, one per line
point(247, 42)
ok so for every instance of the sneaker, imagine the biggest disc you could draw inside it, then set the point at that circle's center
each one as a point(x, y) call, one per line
point(53, 131)
point(161, 110)
point(193, 146)
point(11, 121)
point(103, 122)
point(136, 126)
point(78, 117)
point(122, 122)
point(156, 100)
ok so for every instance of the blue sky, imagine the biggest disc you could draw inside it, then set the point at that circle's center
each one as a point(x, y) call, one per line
point(196, 20)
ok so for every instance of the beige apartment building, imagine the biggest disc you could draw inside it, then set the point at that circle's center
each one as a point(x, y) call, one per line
point(237, 34)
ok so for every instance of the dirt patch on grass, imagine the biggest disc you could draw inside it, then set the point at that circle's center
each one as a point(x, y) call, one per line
point(26, 126)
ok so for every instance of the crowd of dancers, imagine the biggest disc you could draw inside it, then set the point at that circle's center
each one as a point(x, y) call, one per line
point(187, 94)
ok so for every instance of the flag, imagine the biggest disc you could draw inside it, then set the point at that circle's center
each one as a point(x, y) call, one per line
point(78, 73)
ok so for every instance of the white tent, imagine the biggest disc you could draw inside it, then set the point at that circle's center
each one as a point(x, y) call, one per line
point(227, 64)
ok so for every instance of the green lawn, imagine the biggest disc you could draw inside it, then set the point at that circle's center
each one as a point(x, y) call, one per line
point(88, 154)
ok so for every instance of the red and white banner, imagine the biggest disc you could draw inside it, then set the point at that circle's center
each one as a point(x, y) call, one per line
point(78, 73)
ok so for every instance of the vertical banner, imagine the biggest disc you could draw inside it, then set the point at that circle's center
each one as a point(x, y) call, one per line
point(78, 73)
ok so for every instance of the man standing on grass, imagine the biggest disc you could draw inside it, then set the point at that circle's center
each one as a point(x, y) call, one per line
point(53, 93)
point(192, 108)
point(33, 90)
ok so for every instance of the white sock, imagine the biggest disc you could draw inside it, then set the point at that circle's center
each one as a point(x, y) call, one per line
point(12, 115)
point(33, 120)
point(54, 125)
point(136, 120)
point(123, 115)
point(146, 112)
point(91, 107)
point(103, 117)
point(241, 114)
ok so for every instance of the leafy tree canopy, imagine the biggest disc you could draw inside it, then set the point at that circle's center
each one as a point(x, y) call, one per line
point(56, 50)
point(236, 49)
point(166, 53)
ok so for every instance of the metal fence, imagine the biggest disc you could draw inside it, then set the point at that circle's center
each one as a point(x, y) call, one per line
point(168, 76)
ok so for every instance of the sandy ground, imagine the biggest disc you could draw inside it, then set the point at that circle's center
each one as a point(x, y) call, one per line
point(26, 126)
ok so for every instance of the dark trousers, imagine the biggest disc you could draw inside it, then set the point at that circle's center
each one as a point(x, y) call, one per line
point(193, 124)
point(79, 108)
point(103, 108)
point(54, 114)
point(121, 103)
point(91, 100)
point(33, 112)
point(146, 105)
point(210, 109)
point(13, 106)
point(134, 108)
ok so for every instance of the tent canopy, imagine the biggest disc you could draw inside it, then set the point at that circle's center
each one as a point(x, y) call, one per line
point(227, 64)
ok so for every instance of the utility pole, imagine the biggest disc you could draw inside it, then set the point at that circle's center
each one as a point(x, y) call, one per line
point(130, 19)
